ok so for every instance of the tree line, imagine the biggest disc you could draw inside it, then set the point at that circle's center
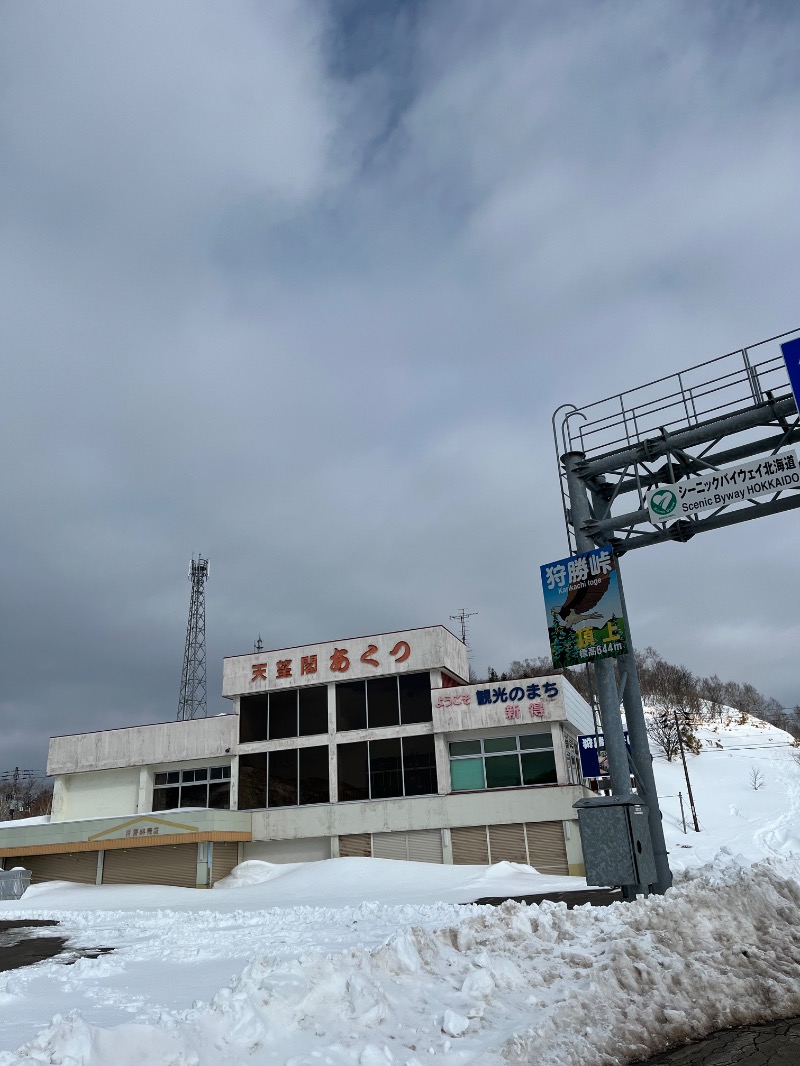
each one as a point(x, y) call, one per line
point(678, 701)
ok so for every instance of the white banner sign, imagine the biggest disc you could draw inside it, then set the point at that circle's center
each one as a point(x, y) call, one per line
point(718, 488)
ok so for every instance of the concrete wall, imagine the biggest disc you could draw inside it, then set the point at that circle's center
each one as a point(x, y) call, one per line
point(430, 648)
point(420, 812)
point(165, 742)
point(105, 793)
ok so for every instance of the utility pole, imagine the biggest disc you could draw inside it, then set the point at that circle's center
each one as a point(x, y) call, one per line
point(193, 678)
point(686, 775)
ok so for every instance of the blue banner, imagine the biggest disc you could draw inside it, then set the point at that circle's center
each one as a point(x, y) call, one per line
point(594, 757)
point(791, 356)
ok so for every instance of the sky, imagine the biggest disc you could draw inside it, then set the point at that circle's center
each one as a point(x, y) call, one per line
point(298, 286)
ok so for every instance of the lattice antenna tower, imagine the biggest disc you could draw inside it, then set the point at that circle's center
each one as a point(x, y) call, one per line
point(462, 617)
point(193, 678)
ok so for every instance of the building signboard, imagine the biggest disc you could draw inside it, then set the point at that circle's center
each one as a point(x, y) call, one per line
point(349, 659)
point(718, 488)
point(584, 608)
point(143, 826)
point(594, 757)
point(528, 700)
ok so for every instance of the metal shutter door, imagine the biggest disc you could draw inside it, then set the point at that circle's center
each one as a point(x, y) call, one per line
point(547, 848)
point(224, 856)
point(169, 865)
point(425, 845)
point(507, 843)
point(80, 867)
point(390, 845)
point(470, 847)
point(356, 846)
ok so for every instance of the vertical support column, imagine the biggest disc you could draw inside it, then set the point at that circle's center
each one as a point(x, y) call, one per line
point(607, 693)
point(442, 752)
point(559, 753)
point(333, 767)
point(641, 755)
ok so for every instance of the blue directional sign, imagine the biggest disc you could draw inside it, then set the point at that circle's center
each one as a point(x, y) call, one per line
point(594, 757)
point(791, 356)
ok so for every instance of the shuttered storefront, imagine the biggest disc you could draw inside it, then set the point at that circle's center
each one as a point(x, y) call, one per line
point(306, 849)
point(170, 865)
point(470, 845)
point(538, 844)
point(546, 847)
point(421, 845)
point(80, 867)
point(358, 845)
point(224, 856)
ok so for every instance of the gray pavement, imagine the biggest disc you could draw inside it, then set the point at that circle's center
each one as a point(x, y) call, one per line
point(770, 1044)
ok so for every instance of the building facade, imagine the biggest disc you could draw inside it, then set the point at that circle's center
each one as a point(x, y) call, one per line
point(367, 746)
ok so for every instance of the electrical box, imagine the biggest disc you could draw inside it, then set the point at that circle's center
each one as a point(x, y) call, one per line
point(615, 837)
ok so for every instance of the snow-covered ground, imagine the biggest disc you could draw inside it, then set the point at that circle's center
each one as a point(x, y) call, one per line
point(374, 962)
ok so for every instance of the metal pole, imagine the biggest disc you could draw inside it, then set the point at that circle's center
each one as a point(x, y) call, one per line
point(683, 812)
point(608, 696)
point(686, 774)
point(641, 754)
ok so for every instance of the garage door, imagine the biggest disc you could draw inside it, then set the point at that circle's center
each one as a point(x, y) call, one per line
point(470, 845)
point(308, 849)
point(170, 865)
point(358, 845)
point(80, 867)
point(421, 845)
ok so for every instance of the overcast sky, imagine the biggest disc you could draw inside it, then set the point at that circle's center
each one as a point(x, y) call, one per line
point(299, 285)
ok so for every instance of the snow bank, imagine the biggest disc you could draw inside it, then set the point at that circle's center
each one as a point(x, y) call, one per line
point(513, 984)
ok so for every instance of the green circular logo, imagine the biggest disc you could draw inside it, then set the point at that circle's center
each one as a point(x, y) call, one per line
point(663, 502)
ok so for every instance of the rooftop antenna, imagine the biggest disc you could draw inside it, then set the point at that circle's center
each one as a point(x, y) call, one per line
point(259, 645)
point(462, 617)
point(193, 678)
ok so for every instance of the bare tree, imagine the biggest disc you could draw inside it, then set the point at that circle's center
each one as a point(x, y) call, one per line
point(756, 779)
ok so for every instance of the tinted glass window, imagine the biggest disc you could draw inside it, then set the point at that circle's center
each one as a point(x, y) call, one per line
point(165, 799)
point(465, 747)
point(219, 795)
point(252, 781)
point(194, 795)
point(352, 763)
point(385, 769)
point(502, 771)
point(253, 718)
point(351, 705)
point(415, 698)
point(539, 768)
point(313, 710)
point(419, 766)
point(314, 787)
point(500, 744)
point(283, 714)
point(382, 702)
point(282, 781)
point(466, 774)
point(536, 740)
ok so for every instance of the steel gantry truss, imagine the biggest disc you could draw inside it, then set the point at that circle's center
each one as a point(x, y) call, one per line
point(728, 410)
point(735, 408)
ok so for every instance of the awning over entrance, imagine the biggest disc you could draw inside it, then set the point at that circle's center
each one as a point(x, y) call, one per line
point(184, 826)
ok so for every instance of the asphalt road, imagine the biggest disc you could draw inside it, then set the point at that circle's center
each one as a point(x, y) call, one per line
point(770, 1044)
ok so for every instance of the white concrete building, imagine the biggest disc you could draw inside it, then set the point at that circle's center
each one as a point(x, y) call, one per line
point(364, 746)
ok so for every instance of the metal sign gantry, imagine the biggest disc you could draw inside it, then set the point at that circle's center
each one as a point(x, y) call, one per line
point(733, 409)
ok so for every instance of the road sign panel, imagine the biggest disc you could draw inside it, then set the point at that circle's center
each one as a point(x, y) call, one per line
point(791, 356)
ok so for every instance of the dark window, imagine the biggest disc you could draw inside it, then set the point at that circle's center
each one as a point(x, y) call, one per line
point(352, 763)
point(283, 714)
point(194, 796)
point(313, 710)
point(282, 780)
point(385, 769)
point(500, 744)
point(382, 705)
point(502, 771)
point(252, 781)
point(216, 773)
point(415, 698)
point(314, 785)
point(253, 718)
point(419, 766)
point(219, 795)
point(166, 799)
point(465, 747)
point(159, 779)
point(351, 705)
point(538, 768)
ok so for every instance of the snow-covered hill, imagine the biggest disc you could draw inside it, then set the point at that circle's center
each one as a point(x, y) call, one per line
point(368, 962)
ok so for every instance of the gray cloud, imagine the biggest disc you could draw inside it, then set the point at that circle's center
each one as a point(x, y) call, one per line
point(299, 286)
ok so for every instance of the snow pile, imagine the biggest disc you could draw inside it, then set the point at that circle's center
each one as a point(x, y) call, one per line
point(514, 984)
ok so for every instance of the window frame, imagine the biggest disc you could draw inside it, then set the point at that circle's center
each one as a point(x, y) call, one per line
point(517, 750)
point(190, 781)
